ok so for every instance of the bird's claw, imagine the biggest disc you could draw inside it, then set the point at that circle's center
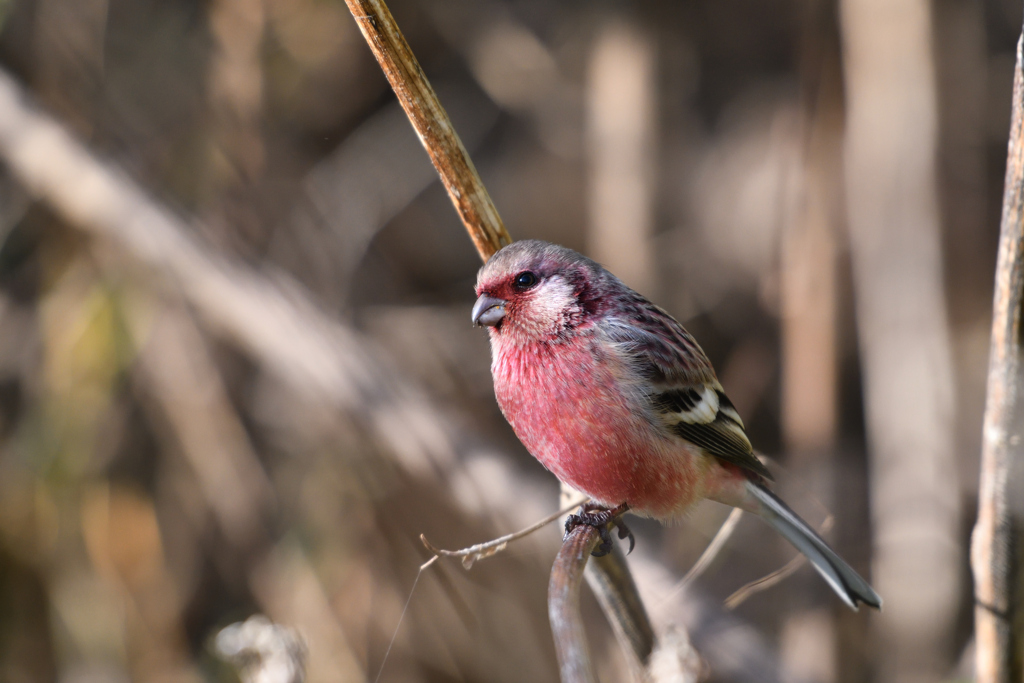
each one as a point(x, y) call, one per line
point(600, 518)
point(606, 543)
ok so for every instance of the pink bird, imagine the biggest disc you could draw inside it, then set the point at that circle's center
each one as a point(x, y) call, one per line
point(615, 398)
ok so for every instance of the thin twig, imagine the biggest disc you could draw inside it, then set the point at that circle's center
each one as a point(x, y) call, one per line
point(481, 551)
point(764, 583)
point(708, 556)
point(711, 552)
point(997, 553)
point(773, 579)
point(564, 605)
point(431, 122)
point(401, 617)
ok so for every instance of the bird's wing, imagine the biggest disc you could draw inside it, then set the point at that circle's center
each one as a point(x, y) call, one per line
point(680, 384)
point(703, 415)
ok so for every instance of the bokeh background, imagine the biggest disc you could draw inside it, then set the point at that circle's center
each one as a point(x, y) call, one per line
point(237, 372)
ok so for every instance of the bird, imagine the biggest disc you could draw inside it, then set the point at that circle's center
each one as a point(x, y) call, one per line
point(613, 396)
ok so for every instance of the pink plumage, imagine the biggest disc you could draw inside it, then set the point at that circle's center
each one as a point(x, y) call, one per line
point(616, 399)
point(572, 406)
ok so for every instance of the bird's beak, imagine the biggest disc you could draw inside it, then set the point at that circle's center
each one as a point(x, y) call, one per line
point(488, 310)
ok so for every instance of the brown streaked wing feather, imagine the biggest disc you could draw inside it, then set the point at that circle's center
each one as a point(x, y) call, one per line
point(663, 351)
point(667, 356)
point(725, 440)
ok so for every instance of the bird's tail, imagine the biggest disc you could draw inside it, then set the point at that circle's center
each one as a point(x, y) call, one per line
point(847, 583)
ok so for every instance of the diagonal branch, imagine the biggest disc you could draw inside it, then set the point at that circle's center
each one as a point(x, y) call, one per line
point(431, 122)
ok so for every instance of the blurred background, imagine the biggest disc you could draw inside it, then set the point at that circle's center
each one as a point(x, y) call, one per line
point(237, 372)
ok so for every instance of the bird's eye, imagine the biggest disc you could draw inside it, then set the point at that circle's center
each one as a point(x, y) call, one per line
point(524, 281)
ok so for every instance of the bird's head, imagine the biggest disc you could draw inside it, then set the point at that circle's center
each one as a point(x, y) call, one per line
point(533, 291)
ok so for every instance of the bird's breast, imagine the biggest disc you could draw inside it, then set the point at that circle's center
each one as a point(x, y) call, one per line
point(577, 408)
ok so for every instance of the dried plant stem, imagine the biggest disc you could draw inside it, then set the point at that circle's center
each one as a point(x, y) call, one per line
point(997, 556)
point(764, 583)
point(773, 579)
point(564, 605)
point(482, 551)
point(613, 586)
point(431, 122)
point(715, 547)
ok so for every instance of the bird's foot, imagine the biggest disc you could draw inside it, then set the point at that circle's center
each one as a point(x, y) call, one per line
point(599, 518)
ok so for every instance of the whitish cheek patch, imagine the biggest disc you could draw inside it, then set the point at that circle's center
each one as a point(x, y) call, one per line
point(547, 306)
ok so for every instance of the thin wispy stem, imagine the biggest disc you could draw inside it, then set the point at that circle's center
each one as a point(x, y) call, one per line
point(481, 551)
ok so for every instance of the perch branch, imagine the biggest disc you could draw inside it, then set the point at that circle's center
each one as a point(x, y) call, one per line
point(612, 582)
point(996, 552)
point(431, 122)
point(564, 605)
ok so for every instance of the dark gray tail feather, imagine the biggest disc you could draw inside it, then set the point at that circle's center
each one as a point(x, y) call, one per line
point(847, 583)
